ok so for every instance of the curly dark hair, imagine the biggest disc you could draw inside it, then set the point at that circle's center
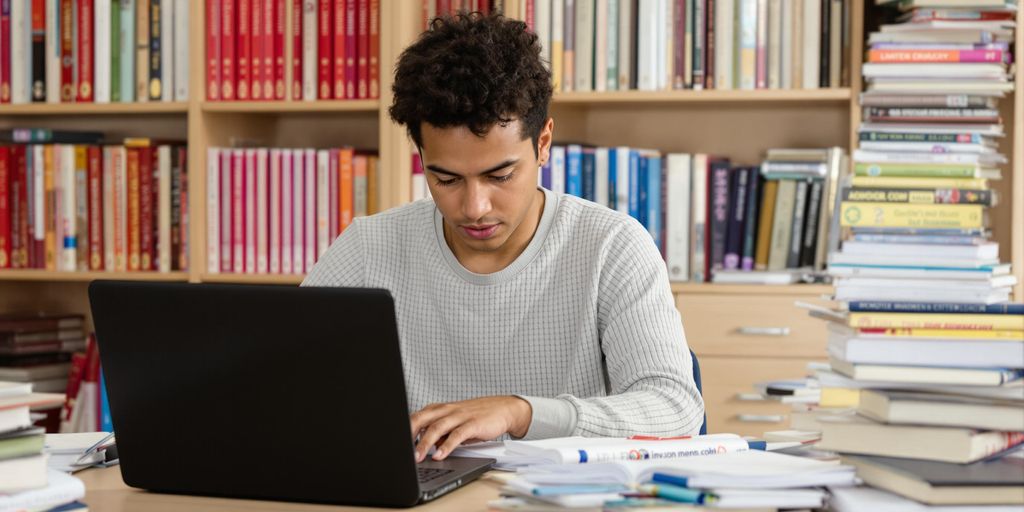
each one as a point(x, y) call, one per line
point(472, 70)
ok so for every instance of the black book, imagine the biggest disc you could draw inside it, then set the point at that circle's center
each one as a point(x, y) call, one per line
point(38, 56)
point(810, 244)
point(994, 482)
point(47, 136)
point(738, 189)
point(799, 213)
point(718, 203)
point(826, 36)
point(750, 226)
point(635, 57)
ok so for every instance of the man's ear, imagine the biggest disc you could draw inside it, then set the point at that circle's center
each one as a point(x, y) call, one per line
point(544, 141)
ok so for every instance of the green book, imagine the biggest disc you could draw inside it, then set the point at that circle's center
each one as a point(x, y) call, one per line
point(916, 170)
point(115, 51)
point(21, 445)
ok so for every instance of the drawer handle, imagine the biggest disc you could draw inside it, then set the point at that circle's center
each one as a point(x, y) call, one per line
point(760, 418)
point(764, 331)
point(750, 397)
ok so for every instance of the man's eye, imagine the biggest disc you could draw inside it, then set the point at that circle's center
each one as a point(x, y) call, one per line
point(502, 179)
point(445, 183)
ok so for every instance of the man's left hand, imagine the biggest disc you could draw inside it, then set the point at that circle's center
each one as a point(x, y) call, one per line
point(481, 419)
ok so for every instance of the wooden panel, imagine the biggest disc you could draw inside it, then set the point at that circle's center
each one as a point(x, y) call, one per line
point(724, 379)
point(49, 297)
point(762, 325)
point(1017, 197)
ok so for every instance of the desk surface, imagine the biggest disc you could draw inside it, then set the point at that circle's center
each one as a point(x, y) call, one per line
point(106, 492)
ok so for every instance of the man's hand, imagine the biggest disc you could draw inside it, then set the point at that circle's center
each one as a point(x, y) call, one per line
point(481, 419)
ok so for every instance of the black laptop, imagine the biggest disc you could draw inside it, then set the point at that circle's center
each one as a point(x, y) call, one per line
point(263, 392)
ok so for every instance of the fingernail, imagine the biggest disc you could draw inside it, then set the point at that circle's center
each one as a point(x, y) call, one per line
point(419, 457)
point(438, 455)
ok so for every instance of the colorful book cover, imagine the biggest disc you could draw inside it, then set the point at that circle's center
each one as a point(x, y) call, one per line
point(718, 189)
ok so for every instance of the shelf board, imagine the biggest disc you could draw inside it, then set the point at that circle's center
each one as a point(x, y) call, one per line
point(836, 95)
point(57, 109)
point(49, 275)
point(294, 279)
point(291, 106)
point(751, 289)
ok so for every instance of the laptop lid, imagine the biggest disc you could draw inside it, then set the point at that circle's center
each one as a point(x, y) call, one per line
point(264, 392)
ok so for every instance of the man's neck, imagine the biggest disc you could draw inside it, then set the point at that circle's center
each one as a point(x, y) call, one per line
point(490, 262)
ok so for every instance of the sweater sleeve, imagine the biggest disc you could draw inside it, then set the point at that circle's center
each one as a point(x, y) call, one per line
point(343, 264)
point(650, 374)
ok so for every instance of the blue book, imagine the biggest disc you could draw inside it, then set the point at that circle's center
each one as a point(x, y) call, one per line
point(641, 180)
point(589, 173)
point(574, 170)
point(106, 423)
point(545, 174)
point(653, 203)
point(634, 184)
point(613, 182)
point(936, 307)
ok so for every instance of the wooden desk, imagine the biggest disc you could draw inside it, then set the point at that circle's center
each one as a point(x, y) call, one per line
point(106, 492)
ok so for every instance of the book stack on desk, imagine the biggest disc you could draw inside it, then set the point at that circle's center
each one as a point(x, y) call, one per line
point(37, 348)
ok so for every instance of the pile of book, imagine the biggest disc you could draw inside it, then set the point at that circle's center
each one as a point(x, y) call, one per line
point(276, 211)
point(94, 51)
point(609, 45)
point(322, 49)
point(37, 349)
point(69, 202)
point(25, 481)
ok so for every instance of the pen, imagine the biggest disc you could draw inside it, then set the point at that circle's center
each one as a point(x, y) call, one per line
point(678, 494)
point(100, 445)
point(558, 490)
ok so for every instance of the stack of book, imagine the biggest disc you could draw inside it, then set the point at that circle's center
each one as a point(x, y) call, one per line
point(94, 51)
point(37, 349)
point(276, 211)
point(70, 203)
point(333, 53)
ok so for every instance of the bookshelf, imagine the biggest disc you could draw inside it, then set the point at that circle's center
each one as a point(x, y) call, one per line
point(740, 124)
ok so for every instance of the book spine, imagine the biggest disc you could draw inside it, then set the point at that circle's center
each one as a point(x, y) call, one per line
point(374, 50)
point(162, 61)
point(213, 210)
point(964, 321)
point(588, 174)
point(324, 40)
point(297, 44)
point(810, 237)
point(180, 170)
point(5, 55)
point(747, 60)
point(310, 60)
point(797, 229)
point(38, 49)
point(309, 203)
point(360, 169)
point(774, 48)
point(262, 228)
point(227, 210)
point(280, 20)
point(825, 42)
point(298, 211)
point(346, 175)
point(126, 45)
point(39, 206)
point(20, 48)
point(750, 225)
point(213, 52)
point(270, 16)
point(49, 213)
point(287, 223)
point(165, 246)
point(229, 61)
point(68, 89)
point(181, 41)
point(372, 185)
point(363, 50)
point(936, 307)
point(937, 183)
point(114, 51)
point(963, 138)
point(699, 41)
point(710, 42)
point(894, 215)
point(677, 217)
point(921, 56)
point(101, 43)
point(351, 49)
point(332, 185)
point(243, 48)
point(338, 50)
point(143, 11)
point(737, 218)
point(323, 201)
point(257, 49)
point(79, 212)
point(811, 47)
point(107, 204)
point(95, 210)
point(782, 224)
point(634, 184)
point(238, 211)
point(654, 206)
point(121, 208)
point(719, 207)
point(17, 175)
point(574, 170)
point(569, 45)
point(5, 207)
point(250, 211)
point(146, 192)
point(919, 196)
point(699, 216)
point(274, 241)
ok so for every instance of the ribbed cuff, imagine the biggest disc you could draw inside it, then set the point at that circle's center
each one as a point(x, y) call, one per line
point(552, 417)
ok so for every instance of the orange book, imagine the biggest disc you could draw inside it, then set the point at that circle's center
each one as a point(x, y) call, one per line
point(346, 174)
point(371, 185)
point(133, 246)
point(95, 211)
point(50, 236)
point(928, 56)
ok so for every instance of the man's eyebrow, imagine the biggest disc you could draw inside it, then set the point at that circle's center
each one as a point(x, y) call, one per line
point(496, 168)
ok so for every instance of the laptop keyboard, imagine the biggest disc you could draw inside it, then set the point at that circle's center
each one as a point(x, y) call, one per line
point(428, 474)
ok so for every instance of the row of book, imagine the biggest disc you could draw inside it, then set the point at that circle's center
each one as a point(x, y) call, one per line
point(92, 207)
point(922, 340)
point(608, 45)
point(101, 51)
point(712, 221)
point(276, 211)
point(330, 50)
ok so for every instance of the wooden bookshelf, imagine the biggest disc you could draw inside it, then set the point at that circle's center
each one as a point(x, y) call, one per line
point(72, 277)
point(69, 109)
point(292, 279)
point(817, 96)
point(242, 107)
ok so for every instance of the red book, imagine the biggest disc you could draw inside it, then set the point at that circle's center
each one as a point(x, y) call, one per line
point(332, 187)
point(92, 376)
point(244, 49)
point(227, 50)
point(530, 15)
point(147, 257)
point(339, 49)
point(324, 68)
point(78, 361)
point(279, 22)
point(350, 48)
point(20, 193)
point(364, 49)
point(485, 7)
point(5, 208)
point(95, 195)
point(84, 54)
point(68, 89)
point(5, 56)
point(132, 202)
point(375, 49)
point(256, 45)
point(296, 50)
point(213, 12)
point(269, 24)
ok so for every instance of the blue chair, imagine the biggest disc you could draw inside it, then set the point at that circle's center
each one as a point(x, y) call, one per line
point(696, 380)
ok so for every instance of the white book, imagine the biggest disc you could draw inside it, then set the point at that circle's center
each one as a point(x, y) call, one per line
point(774, 44)
point(786, 50)
point(724, 39)
point(601, 56)
point(250, 211)
point(647, 45)
point(698, 214)
point(287, 211)
point(851, 293)
point(811, 43)
point(213, 210)
point(21, 46)
point(238, 211)
point(977, 285)
point(918, 260)
point(226, 208)
point(620, 157)
point(181, 49)
point(107, 181)
point(677, 217)
point(542, 26)
point(584, 45)
point(22, 473)
point(309, 222)
point(60, 488)
point(309, 49)
point(70, 214)
point(39, 194)
point(601, 196)
point(745, 74)
point(557, 42)
point(927, 147)
point(982, 160)
point(897, 272)
point(126, 45)
point(558, 169)
point(323, 195)
point(261, 211)
point(663, 45)
point(611, 75)
point(626, 43)
point(167, 54)
point(275, 212)
point(121, 200)
point(985, 251)
point(945, 70)
point(163, 205)
point(52, 44)
point(101, 45)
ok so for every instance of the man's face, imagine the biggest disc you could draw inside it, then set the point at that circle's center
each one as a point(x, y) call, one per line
point(485, 187)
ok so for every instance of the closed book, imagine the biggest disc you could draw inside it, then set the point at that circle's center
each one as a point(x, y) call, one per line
point(143, 46)
point(569, 44)
point(68, 86)
point(360, 170)
point(38, 49)
point(5, 207)
point(931, 307)
point(584, 47)
point(574, 170)
point(346, 183)
point(782, 225)
point(338, 49)
point(894, 215)
point(226, 207)
point(262, 211)
point(352, 48)
point(739, 188)
point(162, 213)
point(228, 42)
point(249, 163)
point(699, 235)
point(257, 39)
point(810, 241)
point(602, 178)
point(323, 202)
point(765, 222)
point(588, 173)
point(126, 50)
point(557, 43)
point(325, 63)
point(905, 407)
point(966, 321)
point(22, 474)
point(287, 223)
point(167, 49)
point(919, 183)
point(812, 43)
point(238, 211)
point(114, 51)
point(925, 170)
point(718, 207)
point(5, 56)
point(95, 209)
point(274, 189)
point(20, 43)
point(363, 50)
point(948, 352)
point(310, 60)
point(920, 375)
point(797, 228)
point(677, 216)
point(213, 212)
point(746, 61)
point(996, 482)
point(859, 435)
point(309, 203)
point(920, 196)
point(296, 44)
point(119, 171)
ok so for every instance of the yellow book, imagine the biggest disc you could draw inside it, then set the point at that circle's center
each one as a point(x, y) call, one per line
point(950, 334)
point(927, 183)
point(896, 215)
point(556, 65)
point(839, 397)
point(50, 237)
point(936, 321)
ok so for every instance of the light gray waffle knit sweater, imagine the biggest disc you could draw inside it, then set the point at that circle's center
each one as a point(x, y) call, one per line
point(582, 324)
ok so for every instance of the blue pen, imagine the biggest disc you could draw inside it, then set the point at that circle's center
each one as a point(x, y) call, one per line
point(662, 478)
point(558, 490)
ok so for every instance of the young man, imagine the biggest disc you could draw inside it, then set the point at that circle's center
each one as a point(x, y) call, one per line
point(520, 311)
